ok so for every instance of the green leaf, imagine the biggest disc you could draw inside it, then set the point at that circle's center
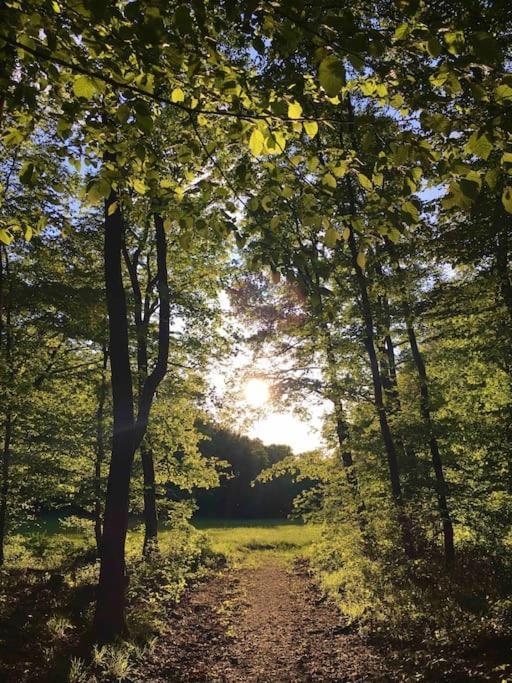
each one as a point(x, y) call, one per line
point(312, 163)
point(341, 169)
point(177, 95)
point(256, 142)
point(365, 182)
point(5, 237)
point(123, 113)
point(504, 93)
point(412, 210)
point(329, 180)
point(139, 186)
point(479, 146)
point(491, 178)
point(98, 189)
point(311, 128)
point(266, 202)
point(83, 86)
point(455, 41)
point(331, 74)
point(401, 32)
point(26, 172)
point(331, 237)
point(434, 47)
point(294, 110)
point(144, 123)
point(506, 198)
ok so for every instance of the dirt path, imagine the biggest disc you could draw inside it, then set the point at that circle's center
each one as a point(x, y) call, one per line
point(263, 624)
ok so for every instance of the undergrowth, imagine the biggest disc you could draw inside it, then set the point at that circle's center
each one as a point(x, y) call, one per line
point(432, 622)
point(47, 601)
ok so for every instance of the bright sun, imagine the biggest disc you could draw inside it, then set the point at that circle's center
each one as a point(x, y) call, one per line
point(256, 392)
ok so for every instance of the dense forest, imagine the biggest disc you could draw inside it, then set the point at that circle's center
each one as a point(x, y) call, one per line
point(323, 189)
point(238, 494)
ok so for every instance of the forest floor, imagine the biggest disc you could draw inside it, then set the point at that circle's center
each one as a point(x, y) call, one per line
point(263, 622)
point(262, 619)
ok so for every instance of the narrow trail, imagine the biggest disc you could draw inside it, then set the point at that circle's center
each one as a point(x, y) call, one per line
point(265, 624)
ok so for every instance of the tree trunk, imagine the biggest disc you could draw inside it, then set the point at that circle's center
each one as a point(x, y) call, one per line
point(109, 622)
point(342, 432)
point(149, 383)
point(7, 64)
point(100, 451)
point(386, 349)
point(369, 341)
point(502, 265)
point(5, 331)
point(4, 493)
point(150, 511)
point(425, 410)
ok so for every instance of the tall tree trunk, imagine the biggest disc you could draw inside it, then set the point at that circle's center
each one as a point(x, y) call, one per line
point(7, 348)
point(149, 382)
point(425, 410)
point(386, 348)
point(387, 437)
point(7, 64)
point(342, 432)
point(342, 429)
point(502, 268)
point(369, 341)
point(389, 374)
point(100, 450)
point(4, 492)
point(150, 511)
point(109, 622)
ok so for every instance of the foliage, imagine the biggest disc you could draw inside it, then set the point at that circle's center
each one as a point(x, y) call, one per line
point(344, 171)
point(238, 495)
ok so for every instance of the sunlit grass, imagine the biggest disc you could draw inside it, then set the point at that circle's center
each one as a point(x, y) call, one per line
point(250, 541)
point(241, 541)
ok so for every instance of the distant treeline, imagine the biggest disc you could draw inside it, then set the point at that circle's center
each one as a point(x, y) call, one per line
point(235, 497)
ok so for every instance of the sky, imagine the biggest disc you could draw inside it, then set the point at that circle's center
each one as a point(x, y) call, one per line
point(288, 429)
point(256, 416)
point(241, 382)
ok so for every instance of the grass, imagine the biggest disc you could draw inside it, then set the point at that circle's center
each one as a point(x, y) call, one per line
point(241, 541)
point(246, 542)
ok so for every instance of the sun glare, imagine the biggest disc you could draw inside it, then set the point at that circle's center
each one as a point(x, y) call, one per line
point(256, 392)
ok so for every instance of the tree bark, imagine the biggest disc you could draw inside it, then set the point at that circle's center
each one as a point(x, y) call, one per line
point(369, 341)
point(4, 493)
point(149, 383)
point(109, 621)
point(5, 331)
point(100, 450)
point(158, 373)
point(425, 410)
point(502, 268)
point(150, 510)
point(387, 437)
point(386, 349)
